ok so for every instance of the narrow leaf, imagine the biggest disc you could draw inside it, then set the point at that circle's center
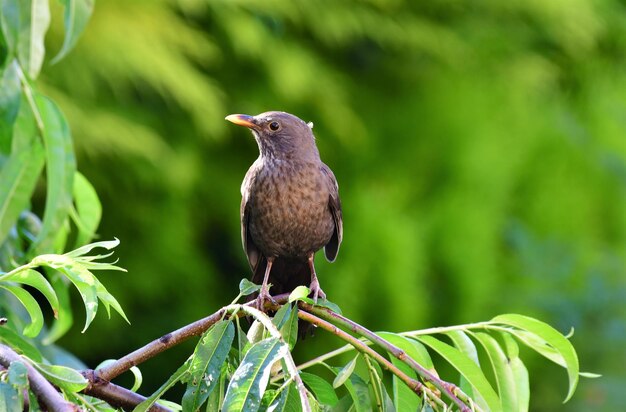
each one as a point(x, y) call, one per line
point(520, 373)
point(35, 279)
point(463, 343)
point(466, 366)
point(32, 307)
point(83, 250)
point(65, 318)
point(18, 178)
point(19, 344)
point(88, 208)
point(77, 14)
point(60, 169)
point(11, 399)
point(552, 337)
point(9, 104)
point(290, 329)
point(34, 22)
point(502, 371)
point(344, 373)
point(249, 381)
point(66, 378)
point(206, 363)
point(322, 390)
point(404, 397)
point(83, 279)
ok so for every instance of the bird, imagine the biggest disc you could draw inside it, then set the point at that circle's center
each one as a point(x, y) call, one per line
point(290, 206)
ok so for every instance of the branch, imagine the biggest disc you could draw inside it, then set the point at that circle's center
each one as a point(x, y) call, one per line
point(451, 390)
point(415, 385)
point(46, 393)
point(115, 395)
point(165, 342)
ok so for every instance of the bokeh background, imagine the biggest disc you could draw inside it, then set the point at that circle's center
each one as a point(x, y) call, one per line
point(480, 149)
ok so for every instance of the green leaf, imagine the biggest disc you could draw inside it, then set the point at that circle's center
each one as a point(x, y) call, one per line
point(10, 22)
point(11, 399)
point(282, 316)
point(32, 307)
point(180, 374)
point(83, 250)
point(206, 364)
point(18, 178)
point(77, 14)
point(65, 378)
point(328, 304)
point(360, 393)
point(247, 288)
point(520, 373)
point(9, 104)
point(344, 373)
point(552, 337)
point(88, 209)
point(60, 170)
point(288, 400)
point(466, 366)
point(65, 318)
point(290, 329)
point(322, 390)
point(19, 344)
point(34, 19)
point(375, 381)
point(404, 397)
point(501, 370)
point(249, 381)
point(83, 279)
point(214, 403)
point(35, 279)
point(300, 293)
point(463, 343)
point(109, 301)
point(18, 375)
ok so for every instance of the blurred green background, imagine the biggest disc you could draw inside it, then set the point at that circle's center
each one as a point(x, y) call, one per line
point(480, 149)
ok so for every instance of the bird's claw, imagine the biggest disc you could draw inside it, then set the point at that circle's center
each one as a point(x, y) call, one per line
point(264, 297)
point(317, 291)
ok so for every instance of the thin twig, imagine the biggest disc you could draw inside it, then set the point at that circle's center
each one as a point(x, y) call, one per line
point(46, 393)
point(164, 343)
point(413, 384)
point(115, 395)
point(450, 390)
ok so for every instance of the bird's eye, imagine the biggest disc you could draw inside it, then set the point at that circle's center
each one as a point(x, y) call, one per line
point(274, 126)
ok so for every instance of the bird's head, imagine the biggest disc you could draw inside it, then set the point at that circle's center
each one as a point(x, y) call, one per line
point(280, 135)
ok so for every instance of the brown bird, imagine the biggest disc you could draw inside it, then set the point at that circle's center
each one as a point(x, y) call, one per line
point(290, 205)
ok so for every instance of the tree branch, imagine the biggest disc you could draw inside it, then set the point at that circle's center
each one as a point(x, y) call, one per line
point(451, 390)
point(115, 395)
point(46, 393)
point(415, 385)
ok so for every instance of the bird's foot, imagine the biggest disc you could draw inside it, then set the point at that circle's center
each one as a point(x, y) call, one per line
point(263, 298)
point(317, 291)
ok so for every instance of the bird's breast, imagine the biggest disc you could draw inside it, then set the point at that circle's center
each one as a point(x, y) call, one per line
point(289, 212)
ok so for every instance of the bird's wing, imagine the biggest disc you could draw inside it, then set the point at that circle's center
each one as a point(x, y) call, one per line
point(332, 247)
point(254, 256)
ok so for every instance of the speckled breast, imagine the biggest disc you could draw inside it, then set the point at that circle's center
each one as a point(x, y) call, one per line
point(289, 212)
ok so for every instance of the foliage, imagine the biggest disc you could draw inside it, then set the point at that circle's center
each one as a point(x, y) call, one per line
point(479, 150)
